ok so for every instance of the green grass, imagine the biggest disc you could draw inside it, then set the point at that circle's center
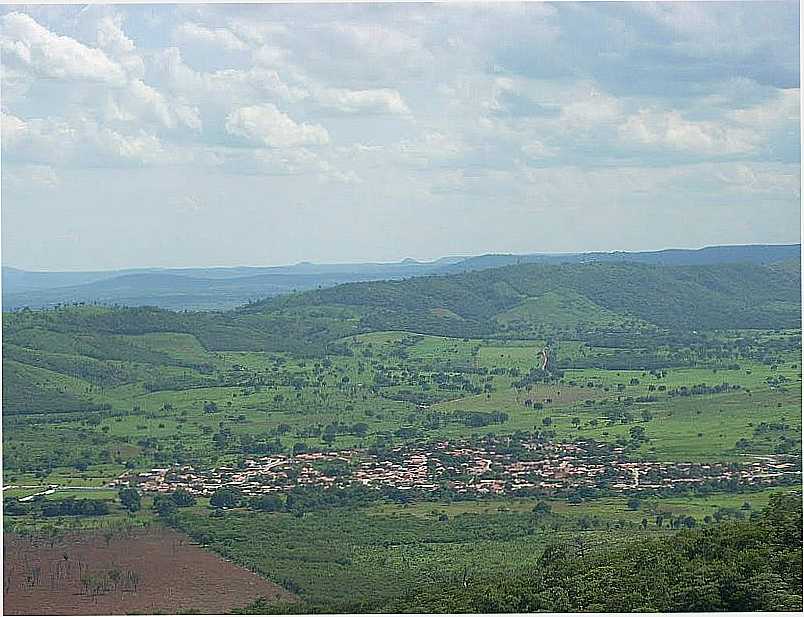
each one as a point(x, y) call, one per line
point(559, 308)
point(607, 508)
point(721, 420)
point(183, 347)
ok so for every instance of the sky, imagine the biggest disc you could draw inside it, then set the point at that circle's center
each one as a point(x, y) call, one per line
point(221, 135)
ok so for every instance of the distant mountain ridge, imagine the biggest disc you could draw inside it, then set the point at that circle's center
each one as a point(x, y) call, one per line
point(761, 254)
point(227, 287)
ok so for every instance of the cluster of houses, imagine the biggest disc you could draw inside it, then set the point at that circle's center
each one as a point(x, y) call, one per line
point(488, 469)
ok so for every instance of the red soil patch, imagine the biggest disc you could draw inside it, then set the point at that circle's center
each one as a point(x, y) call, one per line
point(155, 571)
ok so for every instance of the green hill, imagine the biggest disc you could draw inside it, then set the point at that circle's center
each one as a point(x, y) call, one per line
point(226, 288)
point(559, 308)
point(690, 297)
point(58, 359)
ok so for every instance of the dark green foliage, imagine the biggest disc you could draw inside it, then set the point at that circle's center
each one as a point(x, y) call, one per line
point(225, 498)
point(742, 566)
point(130, 499)
point(164, 506)
point(182, 498)
point(28, 389)
point(321, 555)
point(75, 507)
point(14, 507)
point(266, 503)
point(716, 296)
point(542, 507)
point(303, 499)
point(339, 548)
point(55, 507)
point(738, 566)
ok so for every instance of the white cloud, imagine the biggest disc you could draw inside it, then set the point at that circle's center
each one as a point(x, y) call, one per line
point(190, 204)
point(50, 55)
point(267, 125)
point(705, 30)
point(360, 148)
point(427, 105)
point(141, 148)
point(355, 53)
point(269, 55)
point(139, 101)
point(669, 129)
point(50, 141)
point(13, 128)
point(760, 179)
point(473, 182)
point(535, 149)
point(591, 110)
point(38, 140)
point(381, 101)
point(268, 161)
point(115, 65)
point(432, 147)
point(217, 37)
point(257, 32)
point(111, 39)
point(228, 85)
point(592, 188)
point(287, 162)
point(374, 40)
point(782, 108)
point(15, 83)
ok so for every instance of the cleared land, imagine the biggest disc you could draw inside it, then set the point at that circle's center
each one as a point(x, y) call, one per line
point(156, 571)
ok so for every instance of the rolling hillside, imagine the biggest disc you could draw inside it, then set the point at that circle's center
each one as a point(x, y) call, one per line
point(226, 288)
point(65, 355)
point(689, 297)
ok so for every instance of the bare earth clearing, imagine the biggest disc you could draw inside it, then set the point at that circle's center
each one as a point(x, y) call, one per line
point(155, 571)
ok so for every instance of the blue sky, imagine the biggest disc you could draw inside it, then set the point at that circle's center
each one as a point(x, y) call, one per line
point(158, 135)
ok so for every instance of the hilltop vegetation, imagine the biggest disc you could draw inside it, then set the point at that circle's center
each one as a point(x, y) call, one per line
point(500, 302)
point(695, 297)
point(226, 288)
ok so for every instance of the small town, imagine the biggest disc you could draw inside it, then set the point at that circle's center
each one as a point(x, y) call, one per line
point(552, 468)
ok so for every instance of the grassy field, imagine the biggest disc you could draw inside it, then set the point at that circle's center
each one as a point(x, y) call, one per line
point(608, 508)
point(379, 384)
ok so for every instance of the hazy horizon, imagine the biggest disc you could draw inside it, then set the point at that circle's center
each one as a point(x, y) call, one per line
point(403, 259)
point(174, 135)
